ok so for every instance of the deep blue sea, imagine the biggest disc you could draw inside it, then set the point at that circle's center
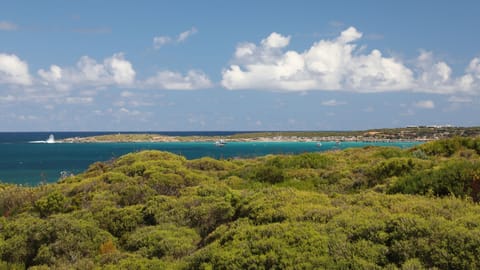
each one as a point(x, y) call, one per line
point(28, 163)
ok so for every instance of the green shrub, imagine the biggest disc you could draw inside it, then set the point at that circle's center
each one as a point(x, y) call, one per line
point(209, 164)
point(269, 174)
point(54, 202)
point(454, 177)
point(119, 221)
point(394, 167)
point(448, 147)
point(164, 209)
point(209, 207)
point(273, 246)
point(15, 199)
point(114, 177)
point(389, 152)
point(134, 191)
point(165, 183)
point(166, 240)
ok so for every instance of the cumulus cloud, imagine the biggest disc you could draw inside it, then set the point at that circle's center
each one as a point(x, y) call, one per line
point(88, 73)
point(170, 80)
point(160, 41)
point(275, 40)
point(471, 80)
point(436, 76)
point(327, 65)
point(7, 26)
point(113, 71)
point(13, 70)
point(340, 64)
point(433, 76)
point(425, 104)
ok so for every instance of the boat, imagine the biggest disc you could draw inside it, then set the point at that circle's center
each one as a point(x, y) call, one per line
point(319, 144)
point(220, 143)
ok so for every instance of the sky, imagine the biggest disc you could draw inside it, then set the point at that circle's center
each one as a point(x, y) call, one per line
point(238, 65)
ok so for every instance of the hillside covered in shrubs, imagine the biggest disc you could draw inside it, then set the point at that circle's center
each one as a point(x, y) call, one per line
point(368, 208)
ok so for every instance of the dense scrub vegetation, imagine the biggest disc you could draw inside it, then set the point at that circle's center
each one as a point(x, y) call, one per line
point(369, 208)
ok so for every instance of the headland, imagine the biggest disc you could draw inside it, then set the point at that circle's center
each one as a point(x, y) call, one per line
point(411, 133)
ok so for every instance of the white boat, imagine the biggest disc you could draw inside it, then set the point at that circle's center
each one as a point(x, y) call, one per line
point(319, 144)
point(220, 143)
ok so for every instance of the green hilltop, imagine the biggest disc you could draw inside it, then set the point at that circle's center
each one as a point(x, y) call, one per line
point(368, 208)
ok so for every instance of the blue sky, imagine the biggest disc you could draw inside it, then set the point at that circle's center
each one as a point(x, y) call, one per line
point(244, 65)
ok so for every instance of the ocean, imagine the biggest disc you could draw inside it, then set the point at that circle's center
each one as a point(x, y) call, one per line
point(26, 163)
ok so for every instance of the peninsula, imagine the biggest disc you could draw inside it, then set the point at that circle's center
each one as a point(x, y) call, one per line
point(416, 133)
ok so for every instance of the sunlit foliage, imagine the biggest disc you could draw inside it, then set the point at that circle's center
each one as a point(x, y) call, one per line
point(369, 208)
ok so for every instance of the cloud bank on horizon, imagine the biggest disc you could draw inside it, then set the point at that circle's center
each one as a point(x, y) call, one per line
point(337, 64)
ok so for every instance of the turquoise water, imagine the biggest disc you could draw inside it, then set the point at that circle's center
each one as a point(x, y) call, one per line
point(27, 163)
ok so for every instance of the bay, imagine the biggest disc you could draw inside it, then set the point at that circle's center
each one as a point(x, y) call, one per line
point(31, 163)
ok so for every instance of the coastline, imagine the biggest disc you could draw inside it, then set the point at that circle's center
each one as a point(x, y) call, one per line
point(166, 139)
point(408, 134)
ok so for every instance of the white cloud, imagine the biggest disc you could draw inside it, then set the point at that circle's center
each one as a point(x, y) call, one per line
point(13, 70)
point(114, 71)
point(471, 80)
point(121, 69)
point(89, 75)
point(176, 81)
point(433, 76)
point(186, 34)
point(349, 35)
point(160, 41)
point(276, 40)
point(327, 65)
point(425, 104)
point(339, 64)
point(436, 77)
point(7, 26)
point(333, 102)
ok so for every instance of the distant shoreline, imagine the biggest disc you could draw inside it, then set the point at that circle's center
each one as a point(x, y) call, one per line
point(408, 134)
point(175, 139)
